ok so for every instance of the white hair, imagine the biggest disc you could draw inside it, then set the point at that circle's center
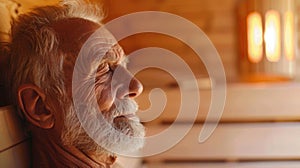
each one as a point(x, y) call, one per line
point(35, 54)
point(89, 10)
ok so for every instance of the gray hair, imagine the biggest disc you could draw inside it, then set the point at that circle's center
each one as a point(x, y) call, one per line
point(35, 55)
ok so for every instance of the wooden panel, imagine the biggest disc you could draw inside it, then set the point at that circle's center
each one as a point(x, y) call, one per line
point(175, 6)
point(262, 101)
point(11, 131)
point(26, 5)
point(244, 103)
point(16, 157)
point(14, 146)
point(125, 162)
point(233, 142)
point(195, 6)
point(287, 164)
point(217, 20)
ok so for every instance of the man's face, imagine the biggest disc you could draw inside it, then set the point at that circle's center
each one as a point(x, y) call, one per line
point(115, 88)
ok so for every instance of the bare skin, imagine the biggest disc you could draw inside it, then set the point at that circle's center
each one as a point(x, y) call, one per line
point(45, 115)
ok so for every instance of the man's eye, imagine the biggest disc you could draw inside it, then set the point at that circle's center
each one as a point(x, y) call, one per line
point(111, 69)
point(108, 69)
point(104, 68)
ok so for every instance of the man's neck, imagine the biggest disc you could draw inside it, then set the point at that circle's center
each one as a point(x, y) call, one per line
point(47, 153)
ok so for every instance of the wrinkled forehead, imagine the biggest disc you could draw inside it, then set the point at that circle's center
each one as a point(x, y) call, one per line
point(73, 32)
point(80, 37)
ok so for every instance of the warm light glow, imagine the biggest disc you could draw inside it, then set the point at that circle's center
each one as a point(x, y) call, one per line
point(255, 37)
point(289, 35)
point(272, 36)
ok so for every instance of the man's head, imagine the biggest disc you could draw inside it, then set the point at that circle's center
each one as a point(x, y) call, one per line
point(44, 49)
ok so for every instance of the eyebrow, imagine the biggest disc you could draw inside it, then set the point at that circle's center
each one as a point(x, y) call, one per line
point(115, 55)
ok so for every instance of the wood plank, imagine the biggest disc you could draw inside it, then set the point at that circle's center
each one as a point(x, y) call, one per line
point(26, 5)
point(286, 164)
point(123, 161)
point(175, 6)
point(231, 142)
point(182, 6)
point(244, 103)
point(11, 131)
point(223, 22)
point(218, 21)
point(223, 39)
point(16, 157)
point(273, 101)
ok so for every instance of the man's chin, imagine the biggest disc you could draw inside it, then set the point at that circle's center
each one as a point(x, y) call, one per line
point(119, 135)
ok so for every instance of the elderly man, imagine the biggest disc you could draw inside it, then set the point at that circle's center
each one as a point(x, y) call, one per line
point(43, 51)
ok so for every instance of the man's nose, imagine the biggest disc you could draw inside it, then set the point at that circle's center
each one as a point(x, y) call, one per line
point(135, 88)
point(128, 86)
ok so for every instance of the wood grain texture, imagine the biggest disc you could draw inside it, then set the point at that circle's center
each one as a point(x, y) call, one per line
point(232, 142)
point(218, 21)
point(244, 103)
point(11, 128)
point(286, 164)
point(16, 157)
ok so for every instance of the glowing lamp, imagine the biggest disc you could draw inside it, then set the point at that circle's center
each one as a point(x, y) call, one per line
point(255, 40)
point(267, 39)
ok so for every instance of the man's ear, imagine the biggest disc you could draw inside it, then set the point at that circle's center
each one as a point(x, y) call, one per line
point(31, 100)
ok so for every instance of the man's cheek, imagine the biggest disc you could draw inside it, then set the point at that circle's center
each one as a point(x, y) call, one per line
point(105, 98)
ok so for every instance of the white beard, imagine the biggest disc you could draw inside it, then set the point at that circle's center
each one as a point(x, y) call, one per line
point(109, 133)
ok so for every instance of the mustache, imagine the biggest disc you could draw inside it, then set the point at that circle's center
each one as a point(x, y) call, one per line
point(88, 113)
point(123, 107)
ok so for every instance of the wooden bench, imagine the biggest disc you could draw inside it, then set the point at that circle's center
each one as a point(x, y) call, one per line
point(14, 144)
point(259, 128)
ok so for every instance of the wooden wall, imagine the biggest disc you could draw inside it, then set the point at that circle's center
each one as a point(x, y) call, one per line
point(261, 146)
point(218, 19)
point(298, 37)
